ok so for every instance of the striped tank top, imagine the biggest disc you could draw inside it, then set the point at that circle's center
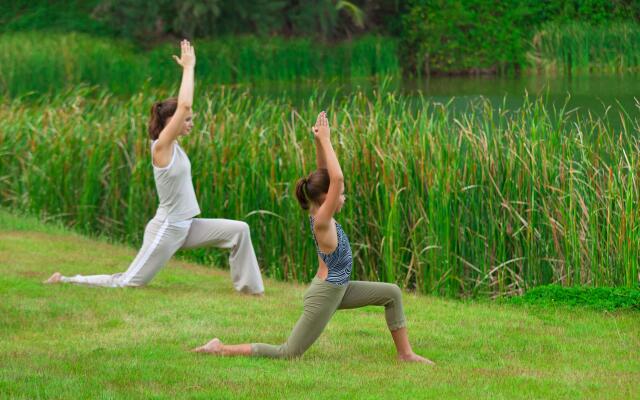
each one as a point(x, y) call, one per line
point(339, 261)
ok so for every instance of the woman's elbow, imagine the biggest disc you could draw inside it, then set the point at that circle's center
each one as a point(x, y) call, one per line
point(184, 106)
point(336, 178)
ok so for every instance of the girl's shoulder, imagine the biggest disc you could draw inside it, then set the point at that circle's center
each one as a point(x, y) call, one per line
point(312, 220)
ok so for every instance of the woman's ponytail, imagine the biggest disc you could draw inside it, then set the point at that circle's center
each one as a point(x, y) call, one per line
point(161, 111)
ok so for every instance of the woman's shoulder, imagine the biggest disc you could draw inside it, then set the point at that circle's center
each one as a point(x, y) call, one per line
point(171, 147)
point(174, 154)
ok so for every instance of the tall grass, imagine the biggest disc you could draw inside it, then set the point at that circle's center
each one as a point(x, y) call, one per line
point(487, 202)
point(36, 62)
point(582, 47)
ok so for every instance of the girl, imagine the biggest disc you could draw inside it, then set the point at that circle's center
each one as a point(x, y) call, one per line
point(174, 226)
point(322, 193)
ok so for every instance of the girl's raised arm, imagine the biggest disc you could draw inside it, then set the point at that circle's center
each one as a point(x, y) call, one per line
point(336, 184)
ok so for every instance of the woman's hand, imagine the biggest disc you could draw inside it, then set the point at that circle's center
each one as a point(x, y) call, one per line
point(187, 55)
point(321, 128)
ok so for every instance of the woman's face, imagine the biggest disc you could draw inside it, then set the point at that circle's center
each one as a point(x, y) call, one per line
point(188, 124)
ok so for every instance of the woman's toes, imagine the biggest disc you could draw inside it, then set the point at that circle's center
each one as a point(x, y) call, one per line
point(55, 278)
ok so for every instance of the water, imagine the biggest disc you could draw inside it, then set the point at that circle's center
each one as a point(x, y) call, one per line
point(587, 94)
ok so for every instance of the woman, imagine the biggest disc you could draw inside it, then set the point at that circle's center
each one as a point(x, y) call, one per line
point(322, 193)
point(174, 226)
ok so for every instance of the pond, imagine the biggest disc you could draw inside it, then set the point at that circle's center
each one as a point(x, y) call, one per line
point(586, 93)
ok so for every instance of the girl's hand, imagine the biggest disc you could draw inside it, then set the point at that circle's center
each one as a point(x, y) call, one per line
point(321, 128)
point(187, 55)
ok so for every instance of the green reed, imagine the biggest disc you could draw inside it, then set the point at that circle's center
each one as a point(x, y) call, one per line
point(582, 47)
point(486, 202)
point(36, 62)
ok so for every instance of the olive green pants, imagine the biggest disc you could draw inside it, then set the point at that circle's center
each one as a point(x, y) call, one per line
point(321, 300)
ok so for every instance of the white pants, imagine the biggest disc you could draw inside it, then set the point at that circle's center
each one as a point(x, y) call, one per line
point(162, 239)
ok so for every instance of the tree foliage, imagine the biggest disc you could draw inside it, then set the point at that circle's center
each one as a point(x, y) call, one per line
point(149, 22)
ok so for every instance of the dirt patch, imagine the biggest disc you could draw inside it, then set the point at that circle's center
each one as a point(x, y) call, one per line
point(29, 274)
point(37, 236)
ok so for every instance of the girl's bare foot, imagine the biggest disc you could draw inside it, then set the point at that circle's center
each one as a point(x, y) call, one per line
point(55, 278)
point(413, 357)
point(214, 346)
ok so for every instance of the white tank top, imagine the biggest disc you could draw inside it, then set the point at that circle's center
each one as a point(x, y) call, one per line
point(175, 189)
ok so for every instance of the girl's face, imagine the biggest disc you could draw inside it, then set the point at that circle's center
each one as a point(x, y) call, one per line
point(341, 201)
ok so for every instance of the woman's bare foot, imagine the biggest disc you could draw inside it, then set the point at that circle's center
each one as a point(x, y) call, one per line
point(413, 357)
point(214, 346)
point(55, 278)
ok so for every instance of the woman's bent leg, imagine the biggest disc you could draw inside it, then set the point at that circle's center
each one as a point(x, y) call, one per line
point(234, 235)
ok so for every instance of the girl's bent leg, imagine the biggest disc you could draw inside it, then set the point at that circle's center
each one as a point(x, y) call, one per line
point(360, 294)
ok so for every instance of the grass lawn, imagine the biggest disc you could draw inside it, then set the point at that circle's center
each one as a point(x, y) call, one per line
point(70, 341)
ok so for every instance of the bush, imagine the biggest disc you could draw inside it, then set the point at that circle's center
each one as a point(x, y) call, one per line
point(465, 35)
point(603, 298)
